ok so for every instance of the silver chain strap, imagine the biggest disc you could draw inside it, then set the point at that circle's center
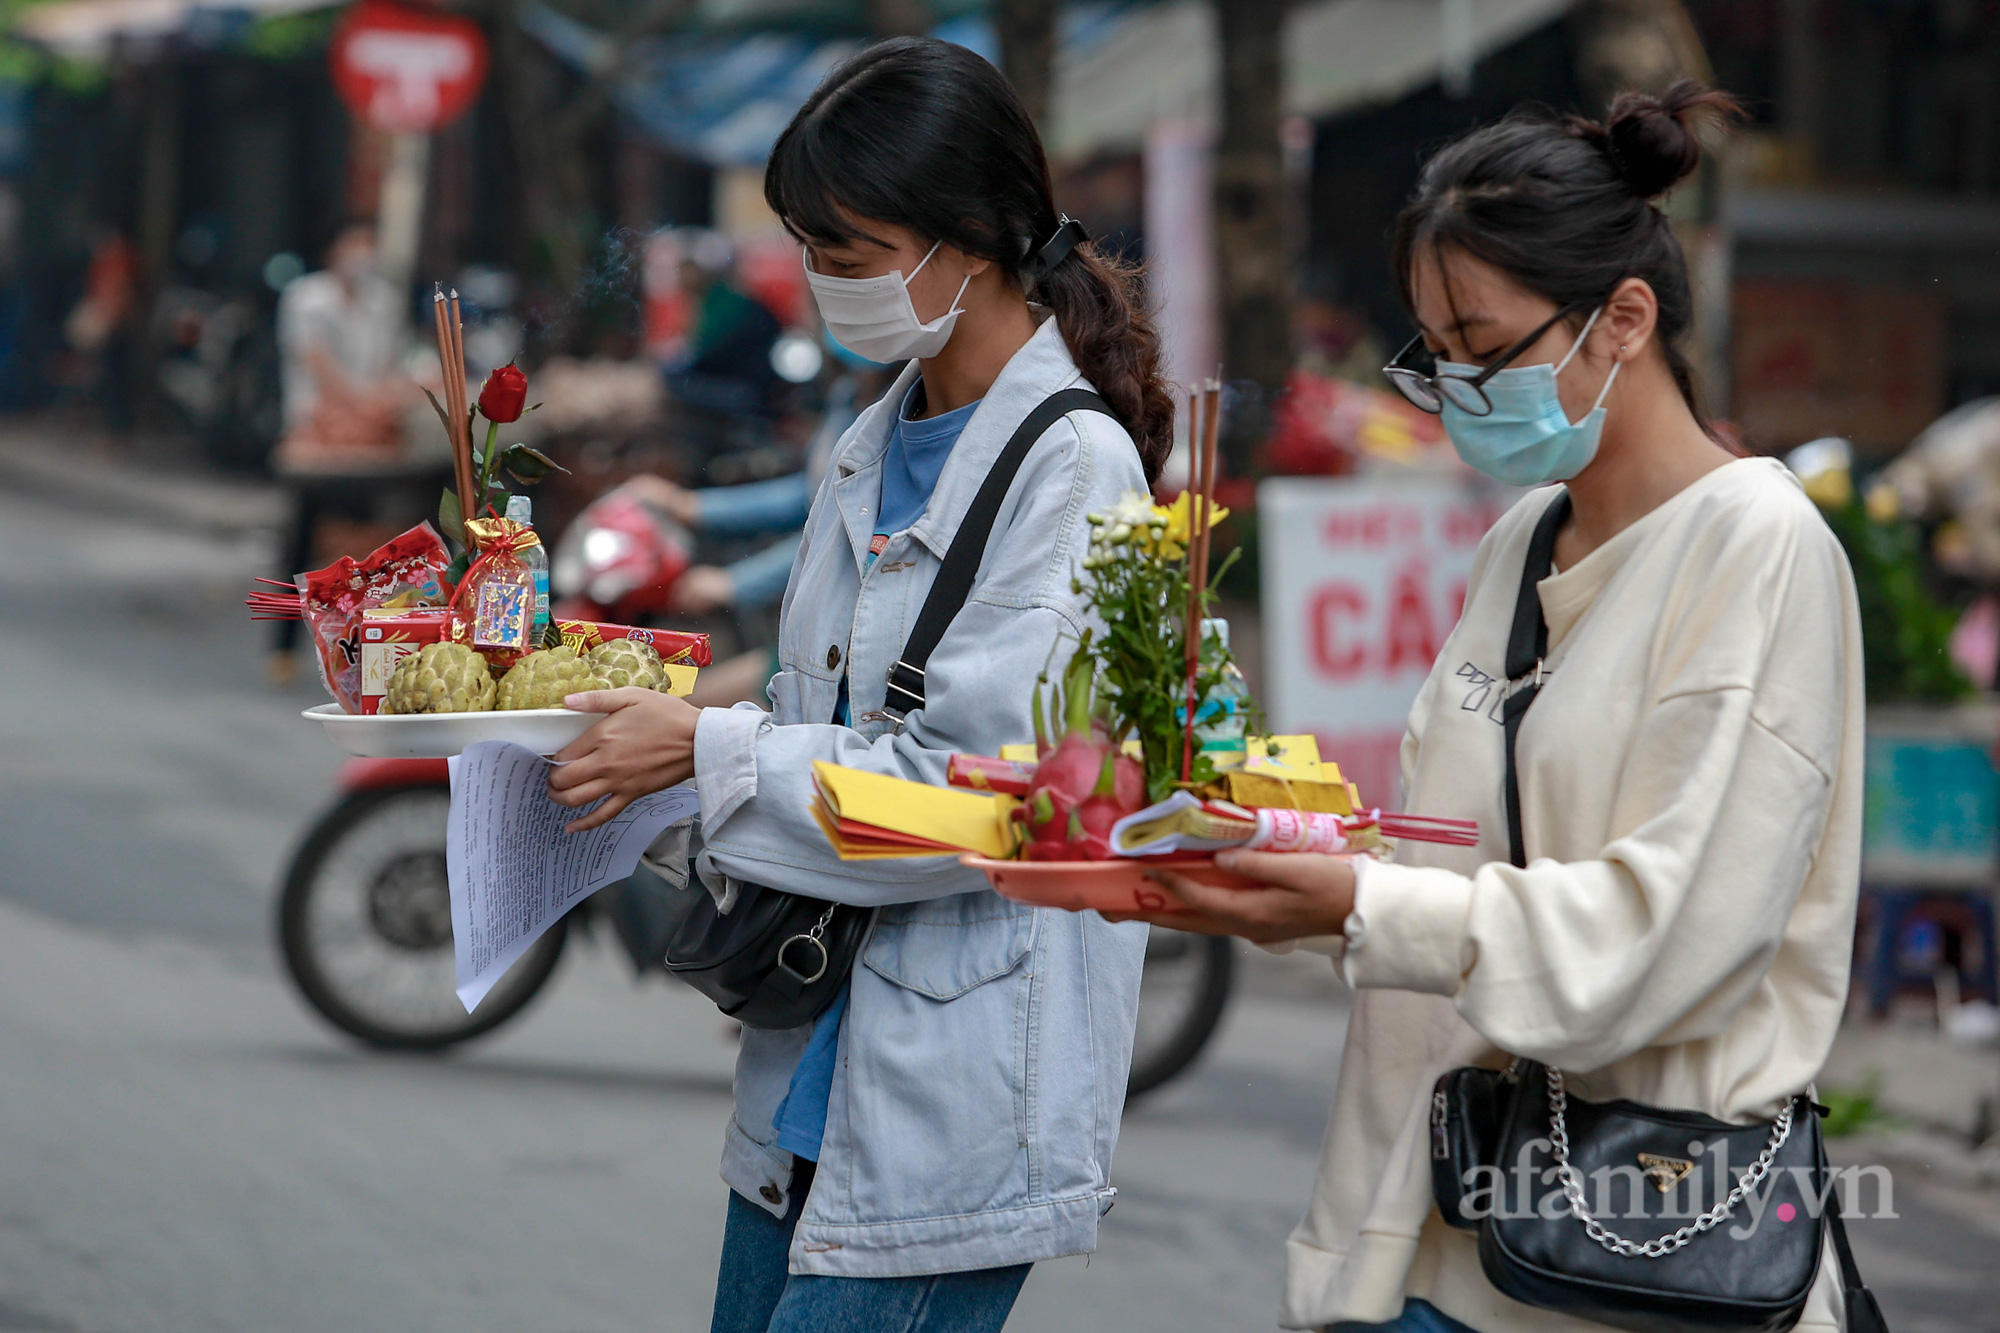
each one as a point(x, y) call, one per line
point(1660, 1246)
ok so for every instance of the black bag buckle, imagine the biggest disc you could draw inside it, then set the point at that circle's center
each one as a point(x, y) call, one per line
point(906, 689)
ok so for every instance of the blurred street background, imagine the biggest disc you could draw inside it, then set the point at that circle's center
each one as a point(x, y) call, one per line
point(220, 223)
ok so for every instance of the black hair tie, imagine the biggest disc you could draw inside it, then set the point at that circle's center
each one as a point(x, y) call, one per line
point(1054, 250)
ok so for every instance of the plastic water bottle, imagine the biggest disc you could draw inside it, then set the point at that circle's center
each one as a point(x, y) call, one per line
point(521, 509)
point(1222, 721)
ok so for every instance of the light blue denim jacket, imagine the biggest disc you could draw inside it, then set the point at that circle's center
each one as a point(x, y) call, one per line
point(982, 1063)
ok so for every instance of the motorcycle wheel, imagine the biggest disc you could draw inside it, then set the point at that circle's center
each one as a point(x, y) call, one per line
point(364, 926)
point(1182, 995)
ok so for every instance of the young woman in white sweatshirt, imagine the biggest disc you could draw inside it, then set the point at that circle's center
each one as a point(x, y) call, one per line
point(1690, 773)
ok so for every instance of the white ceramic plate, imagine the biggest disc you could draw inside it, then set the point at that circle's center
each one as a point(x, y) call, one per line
point(441, 735)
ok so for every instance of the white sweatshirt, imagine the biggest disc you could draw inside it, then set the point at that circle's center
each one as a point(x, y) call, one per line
point(1691, 805)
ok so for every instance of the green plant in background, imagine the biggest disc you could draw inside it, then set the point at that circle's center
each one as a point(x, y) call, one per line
point(1905, 629)
point(1852, 1110)
point(289, 36)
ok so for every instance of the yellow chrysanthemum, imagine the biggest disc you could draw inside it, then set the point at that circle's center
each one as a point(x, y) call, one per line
point(1170, 542)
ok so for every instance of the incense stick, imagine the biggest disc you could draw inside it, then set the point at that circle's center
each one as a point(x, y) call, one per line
point(1191, 633)
point(471, 502)
point(1204, 408)
point(1210, 439)
point(454, 389)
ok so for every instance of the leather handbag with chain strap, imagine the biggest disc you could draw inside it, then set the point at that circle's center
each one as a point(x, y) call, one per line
point(778, 959)
point(1639, 1217)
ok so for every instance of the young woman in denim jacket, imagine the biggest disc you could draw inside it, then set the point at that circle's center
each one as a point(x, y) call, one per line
point(898, 1165)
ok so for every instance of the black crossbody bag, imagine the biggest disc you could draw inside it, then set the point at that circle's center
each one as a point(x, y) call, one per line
point(778, 959)
point(1720, 1264)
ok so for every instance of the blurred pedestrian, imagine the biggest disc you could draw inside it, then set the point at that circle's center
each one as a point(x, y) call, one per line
point(897, 1164)
point(778, 505)
point(100, 327)
point(340, 333)
point(1665, 910)
point(725, 368)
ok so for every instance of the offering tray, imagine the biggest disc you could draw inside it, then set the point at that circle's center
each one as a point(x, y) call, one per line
point(442, 735)
point(1103, 886)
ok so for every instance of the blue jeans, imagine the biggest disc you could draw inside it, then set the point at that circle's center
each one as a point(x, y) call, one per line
point(1417, 1317)
point(755, 1294)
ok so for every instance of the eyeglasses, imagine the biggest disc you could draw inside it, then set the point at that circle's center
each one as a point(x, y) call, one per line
point(1429, 391)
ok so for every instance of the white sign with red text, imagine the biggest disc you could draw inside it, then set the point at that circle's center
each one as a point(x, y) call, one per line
point(1362, 580)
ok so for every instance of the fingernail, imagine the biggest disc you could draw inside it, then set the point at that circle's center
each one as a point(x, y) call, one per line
point(1226, 860)
point(572, 701)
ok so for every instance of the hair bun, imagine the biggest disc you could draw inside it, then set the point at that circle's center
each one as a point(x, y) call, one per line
point(1654, 142)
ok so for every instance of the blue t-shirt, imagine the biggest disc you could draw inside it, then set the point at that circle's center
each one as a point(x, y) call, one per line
point(910, 470)
point(913, 462)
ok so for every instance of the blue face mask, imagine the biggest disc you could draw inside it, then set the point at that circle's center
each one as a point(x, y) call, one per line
point(1526, 440)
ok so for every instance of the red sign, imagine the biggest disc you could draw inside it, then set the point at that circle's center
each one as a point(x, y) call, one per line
point(403, 69)
point(1363, 580)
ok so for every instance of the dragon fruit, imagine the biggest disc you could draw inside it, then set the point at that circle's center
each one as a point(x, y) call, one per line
point(1083, 784)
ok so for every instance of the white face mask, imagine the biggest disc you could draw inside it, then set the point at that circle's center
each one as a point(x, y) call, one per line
point(873, 317)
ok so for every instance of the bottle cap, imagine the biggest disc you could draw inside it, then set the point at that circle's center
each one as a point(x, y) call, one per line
point(520, 508)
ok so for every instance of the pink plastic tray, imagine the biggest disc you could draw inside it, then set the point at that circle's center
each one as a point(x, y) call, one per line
point(1102, 886)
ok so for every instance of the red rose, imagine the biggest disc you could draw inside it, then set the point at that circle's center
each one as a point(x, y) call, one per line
point(504, 394)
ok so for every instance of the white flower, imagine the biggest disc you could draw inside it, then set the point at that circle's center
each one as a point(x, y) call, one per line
point(1132, 510)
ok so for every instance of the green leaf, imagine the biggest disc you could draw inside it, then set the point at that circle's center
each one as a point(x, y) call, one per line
point(529, 466)
point(451, 518)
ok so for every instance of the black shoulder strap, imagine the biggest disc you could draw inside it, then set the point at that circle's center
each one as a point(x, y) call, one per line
point(1864, 1312)
point(1527, 644)
point(968, 547)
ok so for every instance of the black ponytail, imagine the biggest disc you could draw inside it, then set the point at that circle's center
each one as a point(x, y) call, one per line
point(929, 136)
point(1564, 206)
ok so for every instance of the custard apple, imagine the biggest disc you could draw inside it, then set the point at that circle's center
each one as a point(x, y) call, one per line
point(440, 678)
point(540, 680)
point(623, 662)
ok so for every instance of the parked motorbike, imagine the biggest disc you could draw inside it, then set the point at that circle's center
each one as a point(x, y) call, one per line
point(619, 561)
point(364, 927)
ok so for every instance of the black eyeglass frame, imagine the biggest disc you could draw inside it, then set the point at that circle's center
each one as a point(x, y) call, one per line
point(1410, 381)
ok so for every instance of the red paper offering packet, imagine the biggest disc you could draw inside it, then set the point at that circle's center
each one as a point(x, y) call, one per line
point(983, 772)
point(407, 571)
point(676, 646)
point(493, 608)
point(387, 637)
